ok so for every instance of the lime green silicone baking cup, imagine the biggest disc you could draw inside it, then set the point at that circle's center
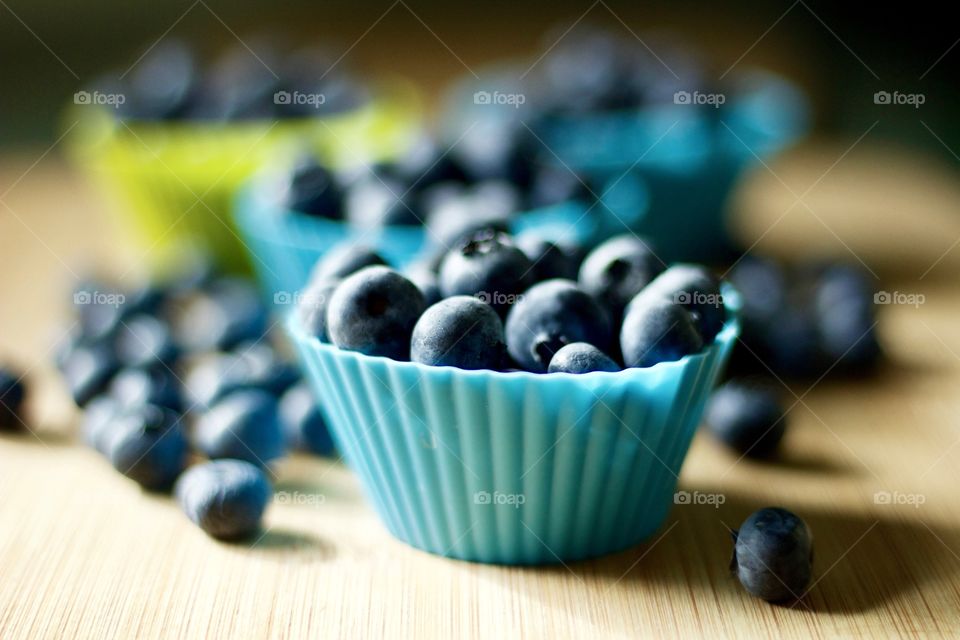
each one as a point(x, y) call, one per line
point(172, 184)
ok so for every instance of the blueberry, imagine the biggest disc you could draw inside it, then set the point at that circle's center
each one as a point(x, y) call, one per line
point(312, 189)
point(225, 498)
point(12, 393)
point(581, 357)
point(218, 375)
point(550, 259)
point(459, 332)
point(99, 418)
point(87, 371)
point(147, 445)
point(304, 424)
point(157, 385)
point(657, 330)
point(617, 270)
point(762, 285)
point(162, 82)
point(495, 149)
point(791, 343)
point(239, 85)
point(143, 341)
point(312, 307)
point(426, 165)
point(97, 306)
point(551, 315)
point(844, 304)
point(773, 555)
point(488, 265)
point(244, 425)
point(747, 416)
point(373, 203)
point(229, 311)
point(374, 311)
point(695, 289)
point(344, 260)
point(426, 280)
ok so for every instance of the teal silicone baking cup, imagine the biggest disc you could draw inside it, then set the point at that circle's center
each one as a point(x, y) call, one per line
point(515, 468)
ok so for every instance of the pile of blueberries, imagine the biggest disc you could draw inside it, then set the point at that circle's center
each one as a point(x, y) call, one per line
point(169, 373)
point(170, 83)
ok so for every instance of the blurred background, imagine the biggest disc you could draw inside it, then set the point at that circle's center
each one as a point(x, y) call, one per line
point(841, 53)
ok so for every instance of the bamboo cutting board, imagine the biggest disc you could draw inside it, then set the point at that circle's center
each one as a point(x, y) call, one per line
point(872, 465)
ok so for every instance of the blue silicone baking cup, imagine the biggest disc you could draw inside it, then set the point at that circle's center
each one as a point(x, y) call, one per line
point(285, 245)
point(515, 468)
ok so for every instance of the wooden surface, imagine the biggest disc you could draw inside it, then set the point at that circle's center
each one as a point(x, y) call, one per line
point(84, 553)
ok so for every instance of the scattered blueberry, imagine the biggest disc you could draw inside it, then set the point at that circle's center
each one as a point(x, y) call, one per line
point(488, 265)
point(844, 303)
point(747, 416)
point(143, 341)
point(581, 357)
point(657, 330)
point(156, 385)
point(229, 311)
point(217, 375)
point(374, 311)
point(773, 555)
point(304, 424)
point(459, 332)
point(99, 418)
point(617, 270)
point(12, 393)
point(344, 260)
point(87, 371)
point(225, 498)
point(549, 316)
point(147, 445)
point(244, 425)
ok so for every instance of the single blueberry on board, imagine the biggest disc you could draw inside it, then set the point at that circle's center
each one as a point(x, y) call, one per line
point(244, 425)
point(225, 498)
point(374, 311)
point(773, 555)
point(12, 394)
point(487, 265)
point(617, 270)
point(748, 416)
point(147, 445)
point(581, 357)
point(551, 315)
point(459, 332)
point(304, 424)
point(657, 330)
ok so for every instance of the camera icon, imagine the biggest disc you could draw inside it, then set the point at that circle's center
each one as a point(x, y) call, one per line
point(82, 97)
point(82, 297)
point(682, 497)
point(882, 97)
point(682, 97)
point(481, 497)
point(482, 97)
point(882, 297)
point(282, 297)
point(882, 497)
point(282, 97)
point(683, 297)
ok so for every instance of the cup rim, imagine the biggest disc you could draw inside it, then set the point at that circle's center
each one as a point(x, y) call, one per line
point(728, 334)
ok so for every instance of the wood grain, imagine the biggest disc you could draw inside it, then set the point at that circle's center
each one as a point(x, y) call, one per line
point(84, 553)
